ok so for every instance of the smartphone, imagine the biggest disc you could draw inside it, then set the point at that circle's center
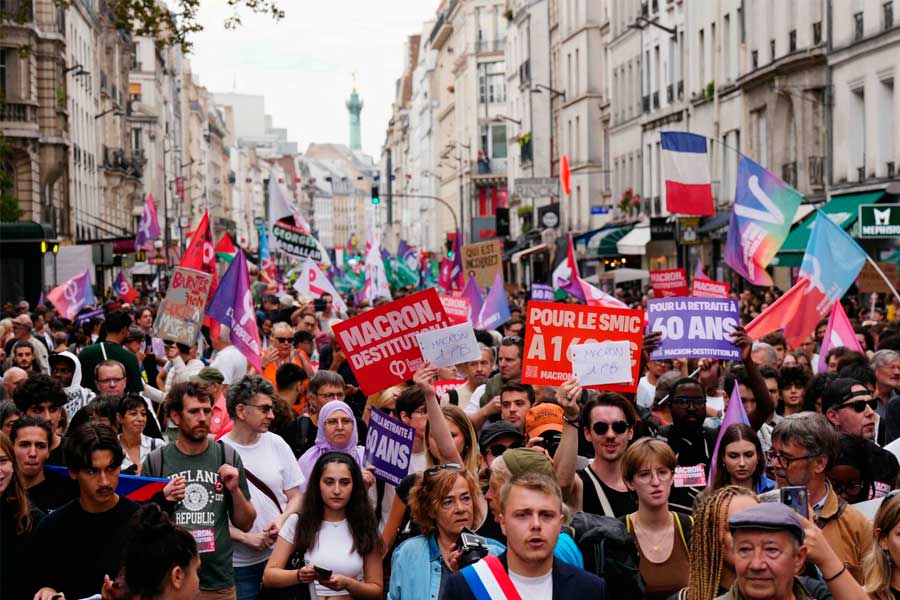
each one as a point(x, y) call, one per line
point(319, 304)
point(797, 498)
point(322, 573)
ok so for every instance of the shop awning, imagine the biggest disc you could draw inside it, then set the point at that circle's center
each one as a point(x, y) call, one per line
point(715, 223)
point(635, 243)
point(619, 275)
point(843, 210)
point(517, 257)
point(603, 243)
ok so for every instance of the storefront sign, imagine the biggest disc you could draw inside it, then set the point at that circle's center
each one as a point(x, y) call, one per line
point(694, 328)
point(879, 220)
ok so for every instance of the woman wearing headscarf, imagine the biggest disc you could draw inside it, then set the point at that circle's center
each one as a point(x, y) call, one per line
point(337, 433)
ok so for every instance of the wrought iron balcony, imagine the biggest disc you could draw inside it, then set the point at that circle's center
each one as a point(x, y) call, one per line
point(789, 173)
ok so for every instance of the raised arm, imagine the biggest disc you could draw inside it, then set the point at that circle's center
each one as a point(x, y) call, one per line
point(424, 378)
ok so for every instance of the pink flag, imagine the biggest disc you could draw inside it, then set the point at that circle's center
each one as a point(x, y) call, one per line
point(149, 226)
point(73, 295)
point(838, 333)
point(594, 296)
point(314, 282)
point(734, 413)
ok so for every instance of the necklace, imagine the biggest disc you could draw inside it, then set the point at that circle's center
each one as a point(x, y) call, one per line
point(654, 541)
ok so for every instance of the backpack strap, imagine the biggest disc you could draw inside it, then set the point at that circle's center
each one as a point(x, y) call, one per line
point(601, 495)
point(227, 454)
point(155, 462)
point(684, 530)
point(261, 486)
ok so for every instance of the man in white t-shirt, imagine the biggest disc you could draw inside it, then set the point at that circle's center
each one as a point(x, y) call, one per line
point(272, 474)
point(647, 384)
point(531, 517)
point(230, 362)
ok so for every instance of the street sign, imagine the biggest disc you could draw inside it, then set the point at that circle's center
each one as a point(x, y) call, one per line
point(258, 221)
point(879, 220)
point(549, 216)
point(599, 210)
point(537, 187)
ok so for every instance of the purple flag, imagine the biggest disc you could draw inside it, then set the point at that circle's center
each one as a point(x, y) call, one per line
point(149, 227)
point(573, 287)
point(476, 300)
point(495, 310)
point(734, 413)
point(72, 295)
point(232, 306)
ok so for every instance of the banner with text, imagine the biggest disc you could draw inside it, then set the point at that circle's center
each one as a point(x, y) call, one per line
point(669, 283)
point(445, 385)
point(694, 328)
point(482, 260)
point(552, 328)
point(296, 243)
point(540, 291)
point(182, 312)
point(707, 288)
point(380, 344)
point(388, 447)
point(456, 307)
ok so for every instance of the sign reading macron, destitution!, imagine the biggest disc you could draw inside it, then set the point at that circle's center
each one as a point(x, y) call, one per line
point(381, 345)
point(552, 328)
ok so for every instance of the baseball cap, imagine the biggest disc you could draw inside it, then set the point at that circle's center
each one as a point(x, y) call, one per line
point(208, 375)
point(135, 334)
point(23, 320)
point(544, 417)
point(773, 516)
point(527, 460)
point(496, 430)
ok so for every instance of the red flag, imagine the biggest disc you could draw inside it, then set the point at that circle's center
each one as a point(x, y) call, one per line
point(565, 174)
point(123, 289)
point(788, 313)
point(201, 255)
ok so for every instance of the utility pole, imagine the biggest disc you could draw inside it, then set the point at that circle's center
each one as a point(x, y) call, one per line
point(390, 195)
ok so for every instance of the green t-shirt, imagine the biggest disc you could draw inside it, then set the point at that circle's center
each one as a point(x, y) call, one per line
point(91, 356)
point(204, 509)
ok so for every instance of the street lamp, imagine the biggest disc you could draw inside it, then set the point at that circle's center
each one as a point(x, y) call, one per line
point(553, 93)
point(115, 109)
point(642, 22)
point(498, 118)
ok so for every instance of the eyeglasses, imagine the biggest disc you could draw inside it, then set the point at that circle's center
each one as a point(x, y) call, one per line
point(685, 400)
point(263, 408)
point(343, 422)
point(432, 471)
point(284, 340)
point(330, 397)
point(664, 475)
point(110, 381)
point(785, 461)
point(859, 405)
point(618, 427)
point(498, 449)
point(851, 488)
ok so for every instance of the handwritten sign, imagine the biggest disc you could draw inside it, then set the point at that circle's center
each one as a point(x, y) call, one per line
point(694, 328)
point(456, 307)
point(483, 260)
point(602, 362)
point(450, 346)
point(388, 447)
point(551, 328)
point(182, 312)
point(380, 344)
point(669, 283)
point(869, 280)
point(707, 288)
point(693, 476)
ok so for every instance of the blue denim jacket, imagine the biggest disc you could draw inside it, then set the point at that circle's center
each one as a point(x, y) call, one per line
point(416, 568)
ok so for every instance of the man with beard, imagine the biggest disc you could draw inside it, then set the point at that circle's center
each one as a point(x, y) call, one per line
point(22, 356)
point(804, 446)
point(83, 540)
point(66, 369)
point(208, 484)
point(487, 396)
point(477, 373)
point(22, 327)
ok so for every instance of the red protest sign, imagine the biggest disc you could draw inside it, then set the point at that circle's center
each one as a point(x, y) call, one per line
point(445, 385)
point(668, 283)
point(380, 344)
point(551, 328)
point(456, 307)
point(707, 288)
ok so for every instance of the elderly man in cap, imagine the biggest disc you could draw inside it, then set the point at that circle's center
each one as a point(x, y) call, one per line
point(771, 543)
point(22, 332)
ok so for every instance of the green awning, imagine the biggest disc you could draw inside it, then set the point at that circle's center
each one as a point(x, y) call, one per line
point(843, 210)
point(603, 243)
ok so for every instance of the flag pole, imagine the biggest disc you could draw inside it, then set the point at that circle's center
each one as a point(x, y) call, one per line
point(883, 276)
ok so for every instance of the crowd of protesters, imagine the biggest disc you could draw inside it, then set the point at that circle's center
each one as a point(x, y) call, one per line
point(577, 493)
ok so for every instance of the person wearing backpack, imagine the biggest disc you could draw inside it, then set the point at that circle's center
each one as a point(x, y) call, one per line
point(663, 538)
point(207, 484)
point(273, 475)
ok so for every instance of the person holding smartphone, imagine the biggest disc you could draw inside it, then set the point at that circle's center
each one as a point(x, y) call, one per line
point(335, 533)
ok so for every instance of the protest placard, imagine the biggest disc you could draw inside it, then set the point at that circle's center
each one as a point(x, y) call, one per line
point(601, 363)
point(456, 307)
point(540, 291)
point(294, 242)
point(690, 476)
point(388, 447)
point(182, 312)
point(482, 260)
point(869, 280)
point(449, 346)
point(707, 288)
point(445, 385)
point(668, 283)
point(694, 328)
point(380, 344)
point(551, 328)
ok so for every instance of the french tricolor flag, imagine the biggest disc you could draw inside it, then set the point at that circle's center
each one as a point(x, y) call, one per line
point(685, 166)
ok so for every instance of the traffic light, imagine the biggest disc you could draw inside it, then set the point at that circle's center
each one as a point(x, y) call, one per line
point(449, 243)
point(376, 197)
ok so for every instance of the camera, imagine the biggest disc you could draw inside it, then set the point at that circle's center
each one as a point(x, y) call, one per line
point(471, 546)
point(319, 304)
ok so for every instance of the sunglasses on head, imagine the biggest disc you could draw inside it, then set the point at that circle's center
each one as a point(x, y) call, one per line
point(498, 449)
point(619, 427)
point(432, 471)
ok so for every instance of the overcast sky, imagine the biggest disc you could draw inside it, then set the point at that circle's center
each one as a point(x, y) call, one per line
point(304, 64)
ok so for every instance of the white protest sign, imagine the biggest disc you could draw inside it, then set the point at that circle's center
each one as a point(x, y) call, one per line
point(449, 346)
point(600, 363)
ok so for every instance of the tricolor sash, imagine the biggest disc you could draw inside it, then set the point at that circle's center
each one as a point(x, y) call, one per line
point(488, 580)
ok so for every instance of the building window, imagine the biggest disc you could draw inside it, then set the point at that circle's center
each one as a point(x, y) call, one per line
point(771, 50)
point(754, 59)
point(136, 139)
point(792, 40)
point(857, 121)
point(4, 72)
point(491, 84)
point(888, 11)
point(760, 135)
point(858, 26)
point(498, 141)
point(817, 33)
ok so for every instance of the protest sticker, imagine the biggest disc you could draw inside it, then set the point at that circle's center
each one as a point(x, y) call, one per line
point(482, 260)
point(668, 283)
point(601, 363)
point(388, 447)
point(449, 346)
point(707, 288)
point(456, 307)
point(182, 312)
point(692, 476)
point(540, 291)
point(694, 328)
point(380, 344)
point(445, 385)
point(552, 328)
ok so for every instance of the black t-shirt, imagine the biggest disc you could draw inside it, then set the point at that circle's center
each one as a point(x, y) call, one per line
point(621, 503)
point(54, 491)
point(57, 455)
point(13, 552)
point(79, 548)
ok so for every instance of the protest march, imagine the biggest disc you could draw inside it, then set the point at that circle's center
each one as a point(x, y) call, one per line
point(242, 413)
